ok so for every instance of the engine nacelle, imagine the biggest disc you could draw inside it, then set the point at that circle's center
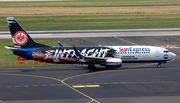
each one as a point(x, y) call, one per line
point(113, 62)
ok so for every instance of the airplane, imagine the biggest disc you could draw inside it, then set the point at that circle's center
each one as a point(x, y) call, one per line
point(108, 56)
point(24, 46)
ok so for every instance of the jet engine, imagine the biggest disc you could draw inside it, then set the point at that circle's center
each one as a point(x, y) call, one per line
point(113, 62)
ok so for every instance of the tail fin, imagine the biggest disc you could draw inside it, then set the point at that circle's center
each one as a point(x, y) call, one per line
point(20, 37)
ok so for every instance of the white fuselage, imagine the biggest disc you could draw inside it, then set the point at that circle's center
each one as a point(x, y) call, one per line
point(143, 53)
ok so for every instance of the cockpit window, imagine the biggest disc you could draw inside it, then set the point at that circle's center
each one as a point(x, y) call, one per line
point(166, 51)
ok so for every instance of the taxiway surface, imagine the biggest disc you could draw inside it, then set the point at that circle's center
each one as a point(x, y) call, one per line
point(133, 83)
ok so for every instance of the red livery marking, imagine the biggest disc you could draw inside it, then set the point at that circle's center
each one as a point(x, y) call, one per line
point(21, 58)
point(49, 51)
point(20, 38)
point(124, 49)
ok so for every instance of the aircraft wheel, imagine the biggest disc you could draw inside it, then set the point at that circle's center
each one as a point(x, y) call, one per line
point(91, 67)
point(159, 65)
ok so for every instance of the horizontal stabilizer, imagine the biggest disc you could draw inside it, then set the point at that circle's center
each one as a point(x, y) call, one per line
point(13, 48)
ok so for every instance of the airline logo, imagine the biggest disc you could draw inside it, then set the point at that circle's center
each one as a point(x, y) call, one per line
point(131, 49)
point(20, 38)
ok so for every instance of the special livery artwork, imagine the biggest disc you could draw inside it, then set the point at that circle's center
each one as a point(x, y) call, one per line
point(68, 54)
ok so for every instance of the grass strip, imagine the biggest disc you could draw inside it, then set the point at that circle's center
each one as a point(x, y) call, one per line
point(90, 3)
point(92, 14)
point(95, 22)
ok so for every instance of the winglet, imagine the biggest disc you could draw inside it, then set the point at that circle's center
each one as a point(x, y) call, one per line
point(60, 44)
point(76, 51)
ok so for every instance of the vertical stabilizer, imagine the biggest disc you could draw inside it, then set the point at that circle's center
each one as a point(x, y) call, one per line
point(20, 37)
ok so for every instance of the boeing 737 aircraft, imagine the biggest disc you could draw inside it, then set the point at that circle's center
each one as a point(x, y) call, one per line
point(108, 56)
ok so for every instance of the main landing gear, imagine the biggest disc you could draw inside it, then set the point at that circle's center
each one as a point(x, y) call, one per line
point(91, 66)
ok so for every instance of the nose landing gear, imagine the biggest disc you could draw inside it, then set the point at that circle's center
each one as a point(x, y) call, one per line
point(159, 64)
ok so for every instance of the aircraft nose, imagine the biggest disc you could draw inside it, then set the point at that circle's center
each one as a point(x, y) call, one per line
point(173, 55)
